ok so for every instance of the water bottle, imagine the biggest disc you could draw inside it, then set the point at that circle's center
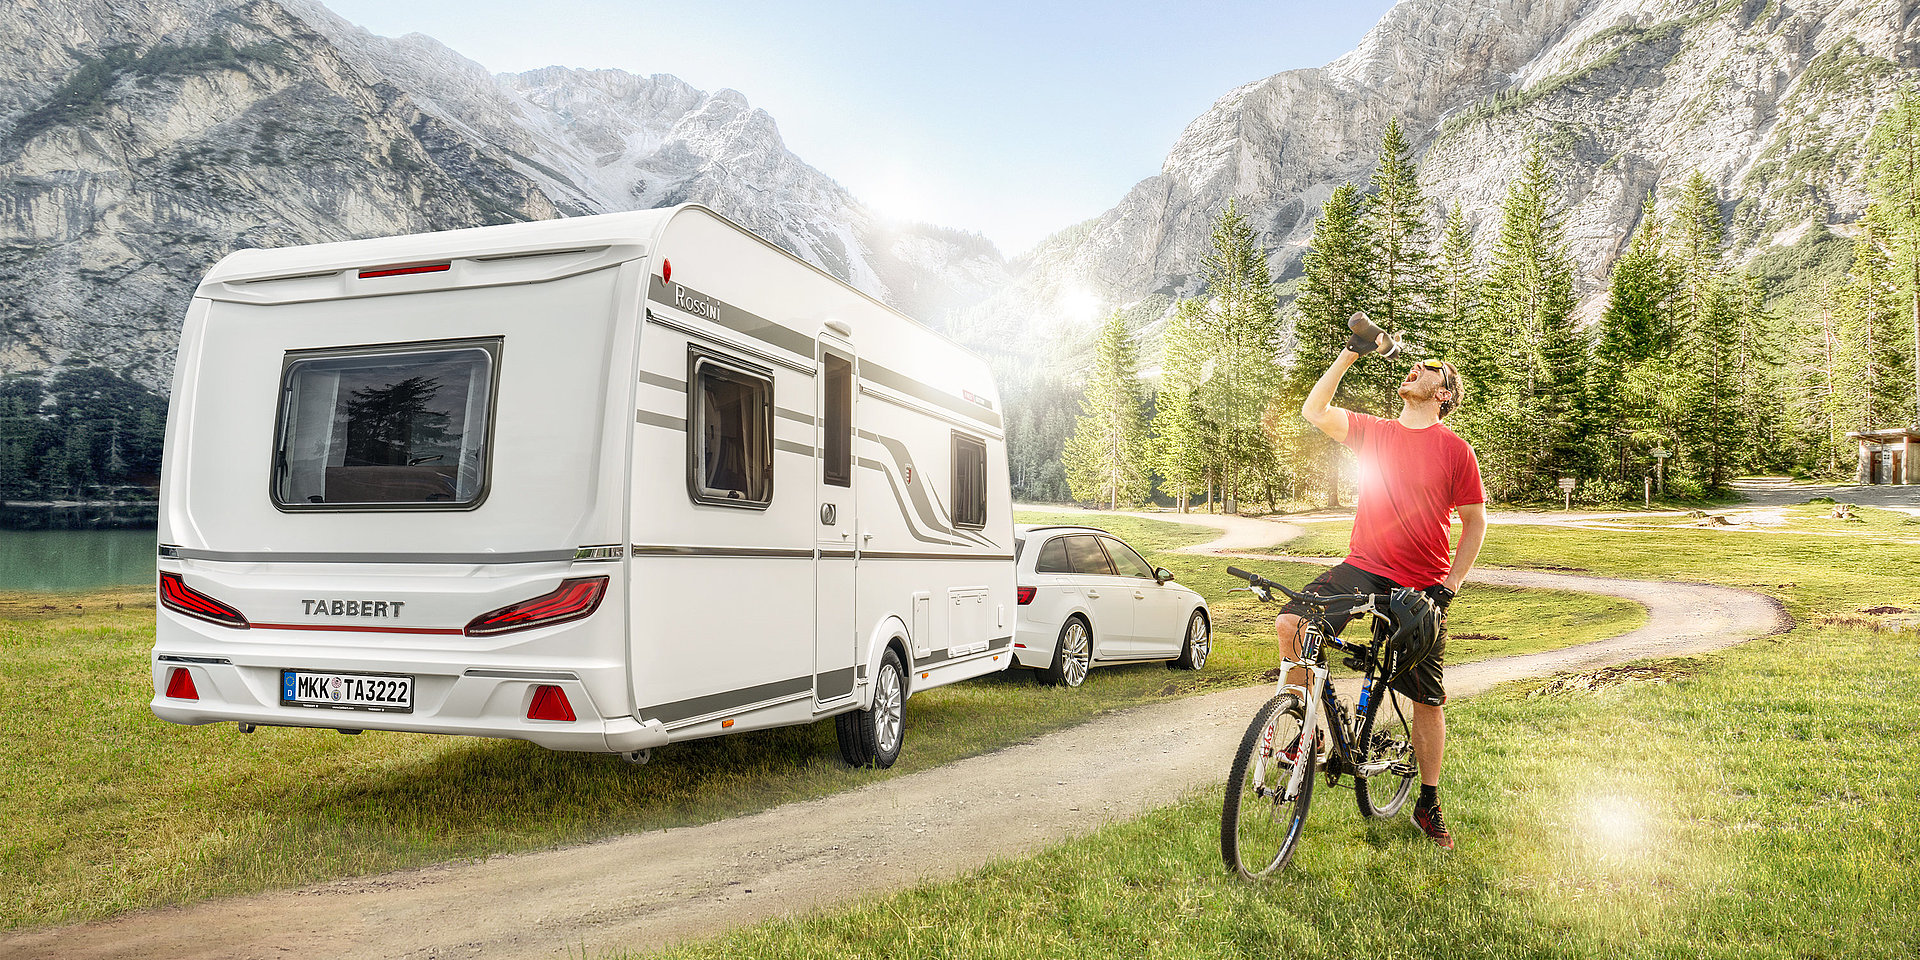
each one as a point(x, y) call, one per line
point(1366, 336)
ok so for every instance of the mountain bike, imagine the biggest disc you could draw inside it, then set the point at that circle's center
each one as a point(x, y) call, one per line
point(1273, 773)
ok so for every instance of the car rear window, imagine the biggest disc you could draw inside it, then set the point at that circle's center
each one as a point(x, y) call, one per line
point(1053, 557)
point(385, 427)
point(1087, 557)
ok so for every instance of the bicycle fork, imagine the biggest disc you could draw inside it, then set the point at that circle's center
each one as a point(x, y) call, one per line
point(1309, 721)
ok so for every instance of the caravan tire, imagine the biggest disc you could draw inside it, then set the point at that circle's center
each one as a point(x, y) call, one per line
point(873, 737)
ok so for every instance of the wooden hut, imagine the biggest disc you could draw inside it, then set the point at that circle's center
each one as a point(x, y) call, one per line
point(1887, 456)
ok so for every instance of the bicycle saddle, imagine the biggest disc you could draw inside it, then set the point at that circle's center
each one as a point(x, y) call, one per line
point(1416, 628)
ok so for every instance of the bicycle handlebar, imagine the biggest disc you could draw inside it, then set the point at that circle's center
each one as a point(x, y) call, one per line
point(1322, 603)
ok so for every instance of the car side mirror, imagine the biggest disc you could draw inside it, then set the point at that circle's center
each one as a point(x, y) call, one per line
point(1162, 574)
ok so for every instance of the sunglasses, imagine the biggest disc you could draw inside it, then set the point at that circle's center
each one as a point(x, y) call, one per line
point(1432, 364)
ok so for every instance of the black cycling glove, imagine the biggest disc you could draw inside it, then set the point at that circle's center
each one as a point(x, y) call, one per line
point(1361, 345)
point(1440, 595)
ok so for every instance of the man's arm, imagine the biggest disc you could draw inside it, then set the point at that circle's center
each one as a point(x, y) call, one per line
point(1318, 408)
point(1473, 533)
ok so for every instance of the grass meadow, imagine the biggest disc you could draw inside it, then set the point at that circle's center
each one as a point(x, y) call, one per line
point(113, 810)
point(1755, 803)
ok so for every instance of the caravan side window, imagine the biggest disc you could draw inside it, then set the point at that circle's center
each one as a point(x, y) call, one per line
point(389, 427)
point(969, 482)
point(729, 432)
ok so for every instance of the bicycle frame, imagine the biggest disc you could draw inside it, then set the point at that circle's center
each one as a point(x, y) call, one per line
point(1319, 697)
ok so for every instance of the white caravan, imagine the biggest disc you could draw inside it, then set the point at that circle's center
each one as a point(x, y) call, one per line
point(602, 483)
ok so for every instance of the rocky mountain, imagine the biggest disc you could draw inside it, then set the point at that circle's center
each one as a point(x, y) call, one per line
point(1772, 99)
point(140, 140)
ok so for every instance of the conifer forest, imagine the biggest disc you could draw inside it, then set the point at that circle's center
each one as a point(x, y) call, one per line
point(1724, 362)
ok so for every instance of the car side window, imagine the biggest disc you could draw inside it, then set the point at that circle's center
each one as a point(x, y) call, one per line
point(1087, 557)
point(1125, 561)
point(1053, 557)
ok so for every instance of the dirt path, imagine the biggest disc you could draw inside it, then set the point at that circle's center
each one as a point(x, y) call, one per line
point(651, 889)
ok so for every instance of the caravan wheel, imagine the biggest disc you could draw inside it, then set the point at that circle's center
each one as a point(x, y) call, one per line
point(873, 737)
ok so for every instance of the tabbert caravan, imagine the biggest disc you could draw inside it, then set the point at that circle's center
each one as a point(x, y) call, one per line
point(602, 483)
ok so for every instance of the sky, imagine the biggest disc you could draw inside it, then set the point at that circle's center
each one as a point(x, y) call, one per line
point(1010, 119)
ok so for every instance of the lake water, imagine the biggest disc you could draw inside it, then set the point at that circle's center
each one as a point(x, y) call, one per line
point(41, 560)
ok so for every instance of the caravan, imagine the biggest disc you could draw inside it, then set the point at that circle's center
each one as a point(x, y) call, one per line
point(602, 484)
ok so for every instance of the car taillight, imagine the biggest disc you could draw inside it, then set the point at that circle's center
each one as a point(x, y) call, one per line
point(176, 595)
point(572, 600)
point(1026, 595)
point(180, 684)
point(550, 703)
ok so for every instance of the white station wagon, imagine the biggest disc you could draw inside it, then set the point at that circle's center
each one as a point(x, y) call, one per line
point(1085, 597)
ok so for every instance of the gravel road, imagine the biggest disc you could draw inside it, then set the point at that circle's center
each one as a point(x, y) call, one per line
point(651, 889)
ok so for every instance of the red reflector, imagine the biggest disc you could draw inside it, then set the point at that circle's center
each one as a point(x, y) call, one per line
point(1026, 595)
point(550, 703)
point(666, 271)
point(180, 685)
point(572, 600)
point(176, 595)
point(378, 272)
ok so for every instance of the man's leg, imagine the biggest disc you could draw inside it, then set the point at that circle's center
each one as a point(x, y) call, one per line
point(1429, 741)
point(1288, 626)
point(1430, 749)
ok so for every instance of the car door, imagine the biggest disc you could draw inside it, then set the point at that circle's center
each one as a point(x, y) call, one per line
point(1159, 610)
point(1109, 596)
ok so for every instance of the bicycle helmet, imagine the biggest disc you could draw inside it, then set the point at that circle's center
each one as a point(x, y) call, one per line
point(1416, 629)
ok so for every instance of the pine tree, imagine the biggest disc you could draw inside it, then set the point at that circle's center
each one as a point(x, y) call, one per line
point(1397, 230)
point(1454, 329)
point(1106, 456)
point(1707, 317)
point(1633, 330)
point(1893, 151)
point(1337, 281)
point(1184, 434)
point(1529, 415)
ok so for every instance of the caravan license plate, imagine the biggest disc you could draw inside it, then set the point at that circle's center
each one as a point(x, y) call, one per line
point(346, 691)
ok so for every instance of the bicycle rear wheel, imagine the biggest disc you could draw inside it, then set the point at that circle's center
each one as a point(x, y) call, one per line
point(1260, 823)
point(1382, 794)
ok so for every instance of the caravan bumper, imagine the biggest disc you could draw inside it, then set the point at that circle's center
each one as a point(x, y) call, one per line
point(474, 702)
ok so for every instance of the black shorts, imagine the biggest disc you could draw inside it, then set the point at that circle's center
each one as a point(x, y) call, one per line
point(1422, 682)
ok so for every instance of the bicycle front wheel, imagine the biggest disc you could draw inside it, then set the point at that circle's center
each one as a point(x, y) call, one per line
point(1390, 741)
point(1261, 822)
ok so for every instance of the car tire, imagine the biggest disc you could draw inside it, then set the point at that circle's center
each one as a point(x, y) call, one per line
point(1196, 646)
point(1072, 655)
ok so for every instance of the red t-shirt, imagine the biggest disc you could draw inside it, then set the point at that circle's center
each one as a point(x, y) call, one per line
point(1410, 481)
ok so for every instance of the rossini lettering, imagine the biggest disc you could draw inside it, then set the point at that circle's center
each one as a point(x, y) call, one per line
point(694, 303)
point(354, 608)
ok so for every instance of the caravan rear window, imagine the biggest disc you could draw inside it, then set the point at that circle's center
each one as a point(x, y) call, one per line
point(401, 427)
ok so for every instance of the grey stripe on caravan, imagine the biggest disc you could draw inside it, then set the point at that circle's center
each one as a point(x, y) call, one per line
point(792, 415)
point(762, 329)
point(225, 556)
point(879, 555)
point(834, 684)
point(805, 450)
point(930, 513)
point(941, 656)
point(652, 419)
point(681, 710)
point(757, 553)
point(647, 376)
point(894, 485)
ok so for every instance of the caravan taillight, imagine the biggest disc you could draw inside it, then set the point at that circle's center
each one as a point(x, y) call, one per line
point(572, 600)
point(373, 273)
point(180, 685)
point(176, 595)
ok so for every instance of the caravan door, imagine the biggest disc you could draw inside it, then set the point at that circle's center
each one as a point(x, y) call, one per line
point(835, 637)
